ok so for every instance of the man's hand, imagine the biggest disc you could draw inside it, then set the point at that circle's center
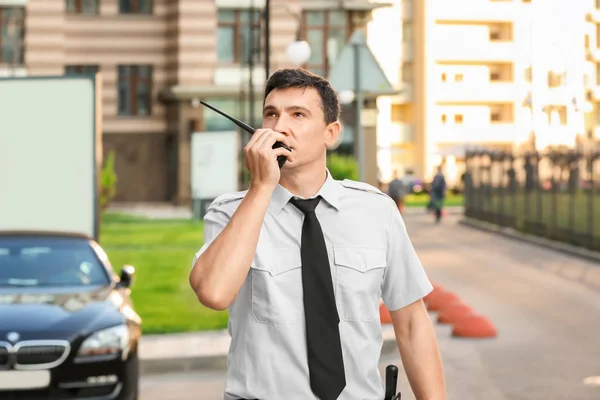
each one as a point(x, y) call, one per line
point(261, 158)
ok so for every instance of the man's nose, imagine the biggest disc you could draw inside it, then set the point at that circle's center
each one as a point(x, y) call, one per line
point(282, 125)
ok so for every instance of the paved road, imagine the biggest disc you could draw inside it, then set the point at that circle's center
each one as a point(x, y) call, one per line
point(549, 326)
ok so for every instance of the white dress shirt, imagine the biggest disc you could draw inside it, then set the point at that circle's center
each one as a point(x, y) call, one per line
point(371, 258)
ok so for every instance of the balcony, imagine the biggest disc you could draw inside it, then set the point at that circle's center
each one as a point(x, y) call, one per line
point(466, 134)
point(401, 133)
point(485, 92)
point(475, 50)
point(473, 10)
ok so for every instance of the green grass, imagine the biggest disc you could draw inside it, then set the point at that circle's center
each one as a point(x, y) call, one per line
point(421, 200)
point(565, 217)
point(161, 252)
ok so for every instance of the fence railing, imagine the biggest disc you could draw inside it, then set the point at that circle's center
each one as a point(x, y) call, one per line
point(554, 194)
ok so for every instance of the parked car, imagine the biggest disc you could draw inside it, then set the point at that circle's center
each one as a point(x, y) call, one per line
point(68, 328)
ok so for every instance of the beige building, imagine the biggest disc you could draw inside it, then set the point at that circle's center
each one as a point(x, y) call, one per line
point(157, 58)
point(471, 71)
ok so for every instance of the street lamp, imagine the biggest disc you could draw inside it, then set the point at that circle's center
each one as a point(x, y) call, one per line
point(346, 96)
point(298, 52)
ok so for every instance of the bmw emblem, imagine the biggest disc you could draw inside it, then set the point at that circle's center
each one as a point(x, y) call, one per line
point(13, 337)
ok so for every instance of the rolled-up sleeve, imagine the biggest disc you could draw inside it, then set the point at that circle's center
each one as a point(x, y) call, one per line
point(405, 280)
point(214, 221)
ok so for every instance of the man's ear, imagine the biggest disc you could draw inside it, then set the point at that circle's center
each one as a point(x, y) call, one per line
point(333, 135)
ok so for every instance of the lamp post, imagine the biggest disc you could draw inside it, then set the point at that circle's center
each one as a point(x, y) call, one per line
point(267, 18)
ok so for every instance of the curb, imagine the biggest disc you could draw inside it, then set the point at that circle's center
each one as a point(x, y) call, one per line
point(589, 276)
point(218, 362)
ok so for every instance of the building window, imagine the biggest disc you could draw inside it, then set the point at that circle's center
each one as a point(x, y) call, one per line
point(326, 31)
point(443, 118)
point(135, 6)
point(458, 77)
point(444, 77)
point(238, 36)
point(135, 88)
point(81, 69)
point(85, 7)
point(12, 34)
point(458, 118)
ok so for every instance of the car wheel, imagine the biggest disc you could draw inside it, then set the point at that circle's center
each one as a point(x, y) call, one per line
point(131, 381)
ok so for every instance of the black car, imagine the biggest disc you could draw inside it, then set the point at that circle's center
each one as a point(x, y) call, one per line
point(68, 329)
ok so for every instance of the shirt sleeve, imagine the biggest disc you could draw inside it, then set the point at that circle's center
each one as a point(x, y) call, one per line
point(214, 222)
point(405, 280)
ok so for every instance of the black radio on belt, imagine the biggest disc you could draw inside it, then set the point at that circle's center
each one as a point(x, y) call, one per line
point(391, 383)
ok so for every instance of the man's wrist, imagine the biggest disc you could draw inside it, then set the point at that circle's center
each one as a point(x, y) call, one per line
point(262, 191)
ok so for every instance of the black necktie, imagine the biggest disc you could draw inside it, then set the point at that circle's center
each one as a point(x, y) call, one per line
point(325, 362)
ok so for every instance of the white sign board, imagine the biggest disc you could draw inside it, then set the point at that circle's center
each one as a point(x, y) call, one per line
point(214, 163)
point(49, 154)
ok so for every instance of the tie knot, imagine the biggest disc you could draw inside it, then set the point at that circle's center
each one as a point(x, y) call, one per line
point(306, 206)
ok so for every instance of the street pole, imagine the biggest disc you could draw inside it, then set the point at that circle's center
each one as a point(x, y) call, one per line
point(267, 38)
point(253, 48)
point(359, 105)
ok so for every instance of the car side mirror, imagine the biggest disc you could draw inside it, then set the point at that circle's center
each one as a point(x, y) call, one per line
point(127, 275)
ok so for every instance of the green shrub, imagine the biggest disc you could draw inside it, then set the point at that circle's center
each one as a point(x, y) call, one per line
point(108, 181)
point(342, 166)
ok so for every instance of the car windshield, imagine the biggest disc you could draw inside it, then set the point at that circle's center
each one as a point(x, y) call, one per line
point(49, 261)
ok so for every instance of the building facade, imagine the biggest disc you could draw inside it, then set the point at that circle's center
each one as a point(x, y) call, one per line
point(472, 71)
point(158, 58)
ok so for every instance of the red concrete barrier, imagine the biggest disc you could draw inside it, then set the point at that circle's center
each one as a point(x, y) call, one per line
point(474, 326)
point(384, 314)
point(454, 312)
point(440, 300)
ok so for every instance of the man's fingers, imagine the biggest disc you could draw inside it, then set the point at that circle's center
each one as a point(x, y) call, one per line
point(272, 137)
point(257, 135)
point(280, 151)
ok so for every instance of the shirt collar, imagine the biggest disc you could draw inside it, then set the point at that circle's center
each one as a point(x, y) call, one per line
point(329, 192)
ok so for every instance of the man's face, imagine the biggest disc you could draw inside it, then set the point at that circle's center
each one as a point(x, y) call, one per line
point(298, 113)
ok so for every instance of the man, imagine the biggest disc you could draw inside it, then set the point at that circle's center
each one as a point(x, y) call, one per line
point(301, 261)
point(397, 191)
point(438, 193)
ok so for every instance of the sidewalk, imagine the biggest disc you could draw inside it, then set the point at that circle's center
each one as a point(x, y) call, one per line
point(186, 352)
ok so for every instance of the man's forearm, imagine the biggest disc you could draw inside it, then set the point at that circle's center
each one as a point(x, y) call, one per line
point(221, 270)
point(421, 358)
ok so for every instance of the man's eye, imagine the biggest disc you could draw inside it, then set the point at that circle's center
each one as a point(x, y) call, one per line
point(270, 114)
point(299, 114)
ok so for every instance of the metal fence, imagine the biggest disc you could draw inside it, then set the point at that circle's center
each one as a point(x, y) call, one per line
point(554, 194)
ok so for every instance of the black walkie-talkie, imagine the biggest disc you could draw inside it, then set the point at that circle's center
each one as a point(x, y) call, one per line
point(280, 159)
point(391, 382)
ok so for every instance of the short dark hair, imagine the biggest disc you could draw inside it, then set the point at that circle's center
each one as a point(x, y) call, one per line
point(301, 78)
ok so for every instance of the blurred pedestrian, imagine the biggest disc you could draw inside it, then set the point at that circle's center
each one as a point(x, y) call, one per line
point(397, 190)
point(438, 193)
